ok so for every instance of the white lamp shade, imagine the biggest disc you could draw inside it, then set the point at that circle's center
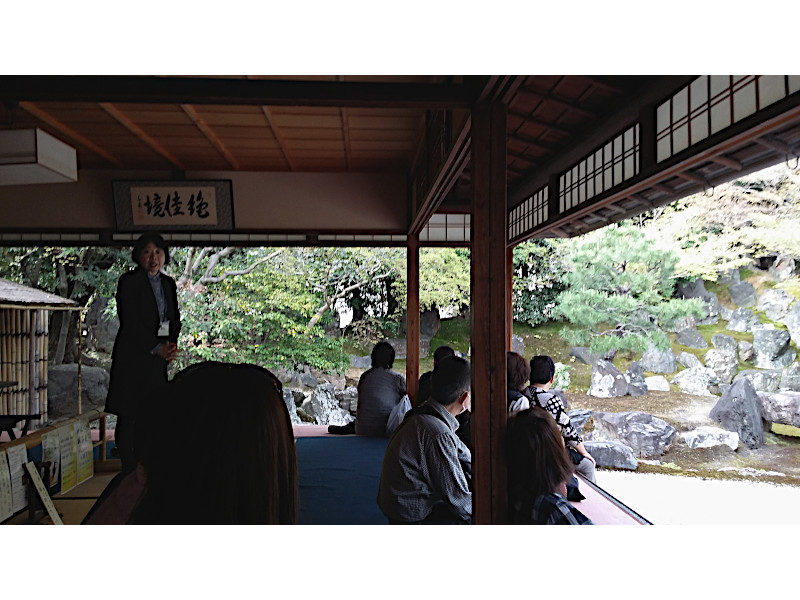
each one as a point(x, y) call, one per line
point(33, 156)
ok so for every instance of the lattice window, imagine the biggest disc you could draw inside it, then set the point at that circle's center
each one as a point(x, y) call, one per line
point(608, 166)
point(711, 103)
point(447, 228)
point(529, 214)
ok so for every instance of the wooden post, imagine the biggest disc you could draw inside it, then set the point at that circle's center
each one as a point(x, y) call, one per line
point(488, 309)
point(32, 363)
point(412, 318)
point(80, 351)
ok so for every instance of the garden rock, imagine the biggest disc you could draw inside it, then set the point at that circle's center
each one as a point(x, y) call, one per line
point(707, 437)
point(739, 410)
point(728, 277)
point(684, 323)
point(644, 433)
point(587, 357)
point(771, 349)
point(658, 361)
point(323, 407)
point(692, 289)
point(783, 267)
point(518, 345)
point(635, 378)
point(360, 362)
point(696, 380)
point(697, 289)
point(607, 382)
point(742, 319)
point(578, 418)
point(790, 377)
point(711, 307)
point(101, 330)
point(62, 390)
point(429, 324)
point(348, 399)
point(691, 337)
point(401, 350)
point(725, 365)
point(792, 321)
point(763, 381)
point(656, 383)
point(688, 360)
point(612, 454)
point(780, 407)
point(745, 350)
point(775, 303)
point(726, 344)
point(725, 313)
point(742, 293)
point(288, 400)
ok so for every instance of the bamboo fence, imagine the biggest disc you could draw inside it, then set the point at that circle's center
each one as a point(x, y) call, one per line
point(23, 361)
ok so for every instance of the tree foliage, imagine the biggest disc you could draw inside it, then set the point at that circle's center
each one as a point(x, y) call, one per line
point(619, 290)
point(538, 272)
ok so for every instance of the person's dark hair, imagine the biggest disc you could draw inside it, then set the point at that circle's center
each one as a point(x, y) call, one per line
point(146, 238)
point(442, 352)
point(382, 355)
point(542, 369)
point(517, 371)
point(538, 462)
point(450, 379)
point(238, 463)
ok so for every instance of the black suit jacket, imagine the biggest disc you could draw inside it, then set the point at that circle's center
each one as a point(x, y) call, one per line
point(134, 370)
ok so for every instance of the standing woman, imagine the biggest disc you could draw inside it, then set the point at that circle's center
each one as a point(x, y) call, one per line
point(149, 324)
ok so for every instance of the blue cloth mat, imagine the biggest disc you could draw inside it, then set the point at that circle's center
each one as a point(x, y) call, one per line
point(339, 480)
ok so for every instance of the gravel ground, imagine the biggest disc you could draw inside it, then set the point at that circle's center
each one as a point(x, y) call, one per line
point(676, 500)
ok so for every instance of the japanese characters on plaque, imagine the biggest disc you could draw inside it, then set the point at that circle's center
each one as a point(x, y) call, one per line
point(174, 206)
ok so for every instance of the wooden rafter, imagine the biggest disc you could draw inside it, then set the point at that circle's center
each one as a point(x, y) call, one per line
point(540, 123)
point(345, 132)
point(126, 122)
point(565, 103)
point(276, 131)
point(67, 131)
point(207, 131)
point(726, 161)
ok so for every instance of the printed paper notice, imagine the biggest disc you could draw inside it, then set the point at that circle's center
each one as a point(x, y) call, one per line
point(51, 453)
point(69, 457)
point(6, 506)
point(17, 457)
point(85, 466)
point(47, 501)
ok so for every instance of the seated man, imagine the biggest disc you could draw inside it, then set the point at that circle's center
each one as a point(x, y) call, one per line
point(464, 430)
point(425, 467)
point(380, 389)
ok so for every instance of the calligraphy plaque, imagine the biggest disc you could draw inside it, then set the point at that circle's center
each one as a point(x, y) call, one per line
point(171, 205)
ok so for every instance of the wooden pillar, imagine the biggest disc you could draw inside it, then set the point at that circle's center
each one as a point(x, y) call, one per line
point(509, 293)
point(489, 306)
point(412, 317)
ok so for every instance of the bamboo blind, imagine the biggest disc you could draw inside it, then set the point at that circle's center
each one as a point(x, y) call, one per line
point(23, 360)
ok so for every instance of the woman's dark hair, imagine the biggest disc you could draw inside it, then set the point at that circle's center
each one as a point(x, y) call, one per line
point(542, 369)
point(146, 238)
point(383, 355)
point(441, 353)
point(450, 379)
point(538, 462)
point(517, 371)
point(231, 459)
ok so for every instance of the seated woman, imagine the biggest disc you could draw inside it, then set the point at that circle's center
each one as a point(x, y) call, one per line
point(217, 448)
point(517, 373)
point(380, 389)
point(538, 471)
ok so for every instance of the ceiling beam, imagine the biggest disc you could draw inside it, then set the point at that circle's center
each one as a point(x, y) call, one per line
point(73, 135)
point(726, 161)
point(126, 122)
point(204, 127)
point(227, 91)
point(276, 131)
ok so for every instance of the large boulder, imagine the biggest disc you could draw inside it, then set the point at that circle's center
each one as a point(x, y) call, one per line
point(739, 410)
point(645, 434)
point(783, 267)
point(745, 350)
point(579, 417)
point(101, 330)
point(401, 350)
point(771, 349)
point(348, 399)
point(688, 360)
point(518, 344)
point(583, 355)
point(697, 289)
point(657, 383)
point(62, 390)
point(288, 400)
point(792, 321)
point(607, 382)
point(683, 323)
point(707, 437)
point(658, 361)
point(635, 378)
point(697, 381)
point(780, 407)
point(728, 277)
point(742, 293)
point(775, 303)
point(323, 407)
point(691, 337)
point(360, 362)
point(761, 380)
point(725, 365)
point(742, 320)
point(725, 313)
point(429, 324)
point(612, 454)
point(724, 343)
point(790, 377)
